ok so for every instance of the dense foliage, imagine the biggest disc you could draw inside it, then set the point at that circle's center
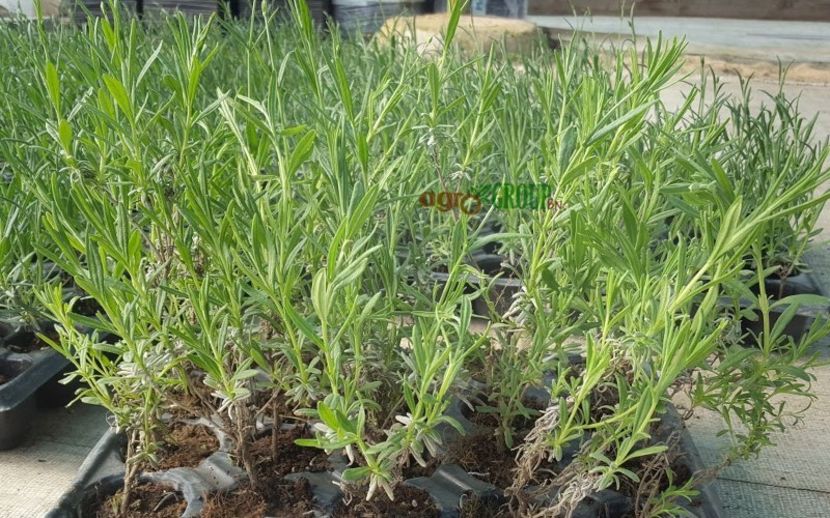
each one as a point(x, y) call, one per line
point(240, 201)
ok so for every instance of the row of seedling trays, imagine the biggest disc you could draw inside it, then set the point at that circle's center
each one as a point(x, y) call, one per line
point(457, 482)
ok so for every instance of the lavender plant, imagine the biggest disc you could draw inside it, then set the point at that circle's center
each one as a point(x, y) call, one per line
point(240, 200)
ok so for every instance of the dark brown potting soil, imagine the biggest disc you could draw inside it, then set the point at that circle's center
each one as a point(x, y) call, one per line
point(280, 499)
point(409, 502)
point(472, 506)
point(521, 425)
point(481, 456)
point(29, 342)
point(147, 500)
point(11, 370)
point(290, 457)
point(241, 502)
point(87, 306)
point(185, 446)
point(603, 401)
point(484, 453)
point(273, 496)
point(651, 473)
point(415, 470)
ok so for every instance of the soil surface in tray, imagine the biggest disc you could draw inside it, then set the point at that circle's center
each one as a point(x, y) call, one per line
point(10, 370)
point(282, 499)
point(146, 501)
point(480, 455)
point(409, 502)
point(28, 342)
point(185, 446)
point(474, 506)
point(274, 496)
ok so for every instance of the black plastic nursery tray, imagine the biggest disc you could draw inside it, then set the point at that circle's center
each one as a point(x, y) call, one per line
point(802, 283)
point(31, 380)
point(448, 486)
point(502, 287)
point(102, 473)
point(707, 504)
point(776, 289)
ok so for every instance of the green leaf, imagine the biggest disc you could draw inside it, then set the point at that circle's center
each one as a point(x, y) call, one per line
point(65, 134)
point(328, 416)
point(612, 126)
point(804, 299)
point(355, 474)
point(650, 450)
point(308, 443)
point(549, 279)
point(119, 93)
point(320, 294)
point(303, 325)
point(53, 88)
point(302, 151)
point(783, 321)
point(456, 8)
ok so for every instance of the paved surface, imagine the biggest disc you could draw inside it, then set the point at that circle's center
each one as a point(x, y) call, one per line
point(799, 41)
point(733, 46)
point(34, 475)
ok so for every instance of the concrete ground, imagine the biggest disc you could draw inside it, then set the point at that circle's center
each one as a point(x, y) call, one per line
point(790, 479)
point(759, 39)
point(34, 476)
point(732, 46)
